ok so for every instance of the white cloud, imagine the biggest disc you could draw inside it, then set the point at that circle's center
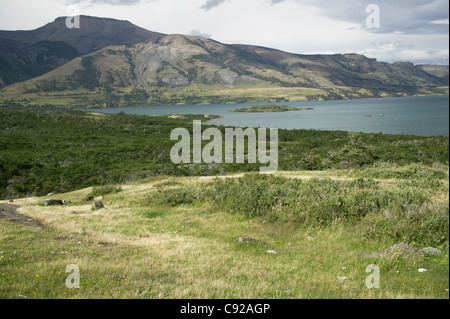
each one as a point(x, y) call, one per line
point(412, 16)
point(197, 33)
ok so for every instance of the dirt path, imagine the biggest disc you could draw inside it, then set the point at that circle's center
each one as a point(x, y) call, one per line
point(9, 212)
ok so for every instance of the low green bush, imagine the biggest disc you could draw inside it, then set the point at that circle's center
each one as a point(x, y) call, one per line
point(408, 214)
point(105, 190)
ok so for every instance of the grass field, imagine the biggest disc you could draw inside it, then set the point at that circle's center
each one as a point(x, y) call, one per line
point(153, 241)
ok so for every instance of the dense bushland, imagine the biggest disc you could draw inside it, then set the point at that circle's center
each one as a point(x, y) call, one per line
point(43, 151)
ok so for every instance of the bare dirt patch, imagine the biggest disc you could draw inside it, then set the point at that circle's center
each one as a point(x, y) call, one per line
point(9, 212)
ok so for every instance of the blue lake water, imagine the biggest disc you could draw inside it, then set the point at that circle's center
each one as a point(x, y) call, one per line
point(424, 115)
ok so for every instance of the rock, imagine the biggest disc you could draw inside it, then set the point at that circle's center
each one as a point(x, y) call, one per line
point(273, 252)
point(404, 249)
point(309, 238)
point(98, 205)
point(67, 202)
point(10, 201)
point(431, 251)
point(53, 202)
point(248, 240)
point(87, 199)
point(50, 194)
point(342, 278)
point(82, 231)
point(98, 198)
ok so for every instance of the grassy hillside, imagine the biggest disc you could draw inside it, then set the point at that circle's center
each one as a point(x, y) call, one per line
point(174, 237)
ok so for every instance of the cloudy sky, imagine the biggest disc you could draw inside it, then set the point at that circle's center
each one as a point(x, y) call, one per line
point(404, 30)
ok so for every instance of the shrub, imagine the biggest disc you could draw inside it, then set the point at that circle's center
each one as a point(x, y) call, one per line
point(105, 190)
point(403, 214)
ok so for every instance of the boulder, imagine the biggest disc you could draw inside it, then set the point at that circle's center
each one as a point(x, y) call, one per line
point(431, 251)
point(404, 249)
point(87, 199)
point(53, 202)
point(98, 205)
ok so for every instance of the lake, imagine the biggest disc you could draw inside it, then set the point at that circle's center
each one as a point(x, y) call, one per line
point(422, 115)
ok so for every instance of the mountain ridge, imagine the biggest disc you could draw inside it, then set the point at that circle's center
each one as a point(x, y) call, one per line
point(180, 69)
point(19, 57)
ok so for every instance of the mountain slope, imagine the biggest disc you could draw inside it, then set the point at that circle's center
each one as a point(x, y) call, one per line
point(182, 69)
point(439, 71)
point(21, 61)
point(26, 54)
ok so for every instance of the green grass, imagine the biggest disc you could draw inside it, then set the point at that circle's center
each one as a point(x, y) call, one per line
point(105, 190)
point(404, 212)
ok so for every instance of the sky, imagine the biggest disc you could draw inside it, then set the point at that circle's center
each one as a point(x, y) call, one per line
point(416, 31)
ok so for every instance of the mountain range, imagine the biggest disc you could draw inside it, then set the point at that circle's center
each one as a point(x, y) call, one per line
point(108, 62)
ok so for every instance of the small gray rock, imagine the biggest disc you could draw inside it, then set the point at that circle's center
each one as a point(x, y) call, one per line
point(431, 251)
point(404, 249)
point(98, 205)
point(53, 202)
